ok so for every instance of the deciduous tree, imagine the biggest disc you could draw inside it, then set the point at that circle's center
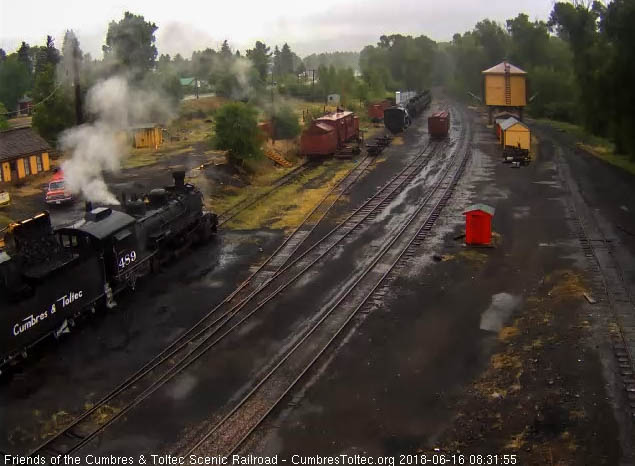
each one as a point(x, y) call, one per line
point(236, 130)
point(53, 111)
point(14, 81)
point(130, 42)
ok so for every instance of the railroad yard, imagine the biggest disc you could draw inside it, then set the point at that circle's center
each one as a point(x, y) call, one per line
point(366, 325)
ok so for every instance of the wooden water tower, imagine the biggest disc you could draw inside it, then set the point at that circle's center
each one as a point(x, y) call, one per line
point(505, 87)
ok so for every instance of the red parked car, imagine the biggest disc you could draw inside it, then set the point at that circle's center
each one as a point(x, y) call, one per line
point(56, 192)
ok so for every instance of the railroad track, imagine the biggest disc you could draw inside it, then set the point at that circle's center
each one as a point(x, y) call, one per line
point(75, 435)
point(243, 205)
point(196, 342)
point(230, 432)
point(608, 283)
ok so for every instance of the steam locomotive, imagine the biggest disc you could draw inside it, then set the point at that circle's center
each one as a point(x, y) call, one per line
point(49, 277)
point(398, 117)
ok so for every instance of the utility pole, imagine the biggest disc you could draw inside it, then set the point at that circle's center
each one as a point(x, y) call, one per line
point(273, 111)
point(79, 116)
point(313, 82)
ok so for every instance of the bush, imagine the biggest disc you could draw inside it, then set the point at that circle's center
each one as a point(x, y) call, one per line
point(285, 123)
point(236, 130)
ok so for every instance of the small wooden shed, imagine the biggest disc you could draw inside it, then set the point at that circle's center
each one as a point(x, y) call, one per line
point(498, 119)
point(478, 224)
point(25, 105)
point(148, 135)
point(515, 134)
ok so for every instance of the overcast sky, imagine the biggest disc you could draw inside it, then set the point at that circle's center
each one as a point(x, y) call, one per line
point(308, 26)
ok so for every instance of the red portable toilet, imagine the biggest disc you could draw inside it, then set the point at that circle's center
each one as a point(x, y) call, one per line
point(478, 224)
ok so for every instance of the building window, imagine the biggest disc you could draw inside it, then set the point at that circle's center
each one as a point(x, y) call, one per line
point(27, 166)
point(38, 162)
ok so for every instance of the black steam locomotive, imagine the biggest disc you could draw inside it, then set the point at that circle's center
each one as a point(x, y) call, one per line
point(398, 117)
point(48, 277)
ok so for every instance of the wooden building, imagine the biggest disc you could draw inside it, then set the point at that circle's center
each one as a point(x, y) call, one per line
point(23, 153)
point(505, 87)
point(147, 135)
point(25, 105)
point(515, 133)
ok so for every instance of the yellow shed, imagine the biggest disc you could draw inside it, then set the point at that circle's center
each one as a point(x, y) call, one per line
point(515, 134)
point(505, 86)
point(147, 135)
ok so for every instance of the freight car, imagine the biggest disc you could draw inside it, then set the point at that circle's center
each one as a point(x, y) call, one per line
point(439, 124)
point(49, 277)
point(418, 104)
point(376, 110)
point(329, 133)
point(398, 118)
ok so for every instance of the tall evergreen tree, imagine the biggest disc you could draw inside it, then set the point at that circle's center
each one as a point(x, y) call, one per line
point(286, 60)
point(276, 61)
point(260, 57)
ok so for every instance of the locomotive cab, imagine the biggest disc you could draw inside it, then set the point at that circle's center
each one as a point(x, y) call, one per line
point(111, 234)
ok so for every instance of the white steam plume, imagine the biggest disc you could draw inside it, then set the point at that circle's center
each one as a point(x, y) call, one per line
point(240, 68)
point(100, 146)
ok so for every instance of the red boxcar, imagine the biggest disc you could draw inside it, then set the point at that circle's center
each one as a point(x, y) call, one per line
point(439, 124)
point(318, 139)
point(345, 124)
point(376, 110)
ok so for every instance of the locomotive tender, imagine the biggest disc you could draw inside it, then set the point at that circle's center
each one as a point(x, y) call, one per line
point(49, 277)
point(398, 117)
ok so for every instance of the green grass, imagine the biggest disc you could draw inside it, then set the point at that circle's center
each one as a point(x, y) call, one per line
point(620, 161)
point(597, 146)
point(289, 204)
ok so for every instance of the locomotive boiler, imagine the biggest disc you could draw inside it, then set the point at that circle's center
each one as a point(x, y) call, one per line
point(49, 277)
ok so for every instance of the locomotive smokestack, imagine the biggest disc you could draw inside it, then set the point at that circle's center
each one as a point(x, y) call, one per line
point(179, 178)
point(88, 206)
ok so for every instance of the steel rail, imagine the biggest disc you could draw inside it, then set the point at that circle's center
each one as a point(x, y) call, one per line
point(199, 350)
point(183, 341)
point(603, 264)
point(243, 205)
point(423, 230)
point(185, 338)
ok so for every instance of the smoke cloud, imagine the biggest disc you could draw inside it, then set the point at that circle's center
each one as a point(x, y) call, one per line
point(100, 146)
point(241, 68)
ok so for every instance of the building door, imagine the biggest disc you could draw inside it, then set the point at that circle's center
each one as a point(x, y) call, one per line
point(14, 169)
